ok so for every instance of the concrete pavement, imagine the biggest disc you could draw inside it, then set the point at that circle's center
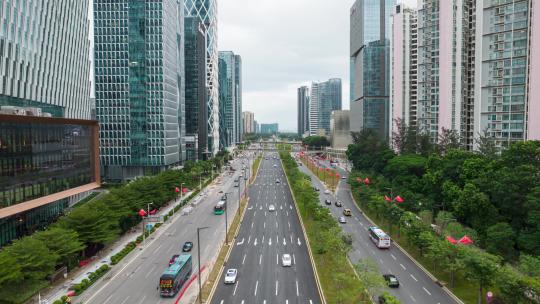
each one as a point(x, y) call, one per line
point(263, 238)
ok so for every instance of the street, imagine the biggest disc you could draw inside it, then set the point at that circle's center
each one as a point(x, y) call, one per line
point(263, 238)
point(415, 285)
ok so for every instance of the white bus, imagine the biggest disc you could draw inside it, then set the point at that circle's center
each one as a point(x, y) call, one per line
point(381, 239)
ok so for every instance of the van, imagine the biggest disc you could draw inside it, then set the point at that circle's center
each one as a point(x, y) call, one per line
point(347, 212)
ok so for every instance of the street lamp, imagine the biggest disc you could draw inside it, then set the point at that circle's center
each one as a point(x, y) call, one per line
point(144, 225)
point(226, 218)
point(199, 259)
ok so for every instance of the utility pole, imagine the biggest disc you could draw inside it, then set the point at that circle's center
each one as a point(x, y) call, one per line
point(199, 260)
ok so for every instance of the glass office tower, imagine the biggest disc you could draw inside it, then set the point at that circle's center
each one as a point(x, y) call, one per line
point(206, 11)
point(139, 80)
point(228, 99)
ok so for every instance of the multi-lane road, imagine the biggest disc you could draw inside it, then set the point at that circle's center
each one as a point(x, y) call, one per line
point(135, 280)
point(415, 286)
point(263, 238)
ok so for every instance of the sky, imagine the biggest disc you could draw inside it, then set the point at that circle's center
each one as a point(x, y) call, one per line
point(285, 44)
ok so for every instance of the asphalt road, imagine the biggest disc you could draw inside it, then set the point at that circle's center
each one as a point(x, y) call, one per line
point(415, 285)
point(263, 238)
point(135, 280)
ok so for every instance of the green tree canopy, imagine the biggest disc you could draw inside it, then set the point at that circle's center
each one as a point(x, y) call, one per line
point(35, 260)
point(63, 242)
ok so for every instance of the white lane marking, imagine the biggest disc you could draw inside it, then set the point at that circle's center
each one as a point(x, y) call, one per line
point(242, 301)
point(264, 225)
point(156, 250)
point(294, 259)
point(414, 300)
point(249, 239)
point(252, 222)
point(244, 259)
point(381, 261)
point(125, 300)
point(222, 301)
point(277, 285)
point(256, 286)
point(260, 208)
point(429, 293)
point(241, 242)
point(262, 240)
point(284, 243)
point(150, 272)
point(107, 299)
point(291, 238)
point(277, 259)
point(269, 241)
point(310, 302)
point(393, 257)
point(235, 286)
point(402, 266)
point(414, 278)
point(299, 244)
point(289, 225)
point(287, 213)
point(277, 240)
point(277, 225)
point(286, 301)
point(297, 293)
point(361, 224)
point(260, 259)
point(281, 207)
point(142, 300)
point(264, 213)
point(290, 206)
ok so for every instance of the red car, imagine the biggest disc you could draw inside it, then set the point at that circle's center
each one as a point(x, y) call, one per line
point(171, 261)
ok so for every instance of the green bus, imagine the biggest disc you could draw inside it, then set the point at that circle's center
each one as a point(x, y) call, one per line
point(174, 277)
point(220, 207)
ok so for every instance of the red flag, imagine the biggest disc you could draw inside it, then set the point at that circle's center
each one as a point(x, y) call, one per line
point(142, 212)
point(366, 181)
point(399, 199)
point(153, 211)
point(184, 190)
point(337, 175)
point(451, 240)
point(176, 189)
point(327, 169)
point(358, 179)
point(465, 240)
point(386, 198)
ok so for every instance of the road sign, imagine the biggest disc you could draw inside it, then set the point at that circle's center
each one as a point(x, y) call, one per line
point(154, 219)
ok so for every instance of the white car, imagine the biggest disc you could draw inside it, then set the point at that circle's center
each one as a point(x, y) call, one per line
point(271, 208)
point(342, 220)
point(286, 260)
point(326, 191)
point(275, 165)
point(230, 276)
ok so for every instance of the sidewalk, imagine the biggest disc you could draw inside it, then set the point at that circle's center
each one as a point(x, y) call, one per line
point(60, 288)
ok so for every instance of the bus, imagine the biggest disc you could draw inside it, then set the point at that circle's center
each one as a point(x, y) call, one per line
point(220, 207)
point(379, 238)
point(174, 277)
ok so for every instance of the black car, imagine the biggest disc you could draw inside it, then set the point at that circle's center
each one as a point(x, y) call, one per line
point(391, 280)
point(224, 197)
point(338, 204)
point(328, 202)
point(187, 247)
point(316, 189)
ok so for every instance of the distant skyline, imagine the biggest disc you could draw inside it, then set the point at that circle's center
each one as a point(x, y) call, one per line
point(286, 44)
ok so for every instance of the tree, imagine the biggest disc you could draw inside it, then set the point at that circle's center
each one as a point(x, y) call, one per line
point(63, 242)
point(529, 238)
point(424, 240)
point(369, 151)
point(480, 267)
point(369, 275)
point(316, 141)
point(448, 140)
point(473, 208)
point(500, 240)
point(10, 270)
point(35, 260)
point(529, 265)
point(442, 220)
point(486, 145)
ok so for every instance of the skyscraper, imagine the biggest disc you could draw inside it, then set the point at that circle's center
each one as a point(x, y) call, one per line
point(325, 98)
point(206, 11)
point(271, 128)
point(196, 100)
point(139, 93)
point(227, 100)
point(249, 122)
point(48, 147)
point(369, 51)
point(303, 110)
point(238, 97)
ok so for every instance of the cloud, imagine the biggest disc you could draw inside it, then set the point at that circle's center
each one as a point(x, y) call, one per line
point(285, 44)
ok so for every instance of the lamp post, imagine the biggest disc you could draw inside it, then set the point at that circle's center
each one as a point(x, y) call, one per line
point(199, 260)
point(144, 225)
point(226, 218)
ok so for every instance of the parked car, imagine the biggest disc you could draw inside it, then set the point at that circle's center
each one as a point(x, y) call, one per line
point(328, 202)
point(230, 276)
point(391, 280)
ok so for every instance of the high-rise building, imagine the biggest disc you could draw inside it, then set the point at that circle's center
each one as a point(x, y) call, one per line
point(507, 74)
point(139, 93)
point(257, 127)
point(238, 98)
point(271, 128)
point(340, 129)
point(403, 68)
point(48, 146)
point(196, 115)
point(206, 12)
point(369, 52)
point(325, 98)
point(249, 122)
point(303, 110)
point(228, 99)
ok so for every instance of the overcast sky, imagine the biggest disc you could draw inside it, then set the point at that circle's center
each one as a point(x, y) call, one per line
point(285, 44)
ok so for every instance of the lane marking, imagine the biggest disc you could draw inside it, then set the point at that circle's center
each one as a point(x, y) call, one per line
point(284, 243)
point(244, 259)
point(414, 278)
point(125, 300)
point(297, 293)
point(150, 272)
point(402, 266)
point(155, 250)
point(255, 242)
point(429, 293)
point(294, 259)
point(235, 286)
point(414, 300)
point(269, 241)
point(299, 244)
point(256, 286)
point(291, 238)
point(277, 225)
point(108, 298)
point(142, 300)
point(241, 242)
point(221, 301)
point(289, 225)
point(260, 259)
point(249, 239)
point(262, 240)
point(264, 225)
point(277, 285)
point(393, 257)
point(277, 259)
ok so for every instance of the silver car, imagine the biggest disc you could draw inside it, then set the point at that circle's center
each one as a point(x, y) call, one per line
point(286, 260)
point(230, 276)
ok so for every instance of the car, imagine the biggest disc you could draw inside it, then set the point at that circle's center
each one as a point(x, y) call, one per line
point(236, 179)
point(342, 220)
point(245, 178)
point(328, 202)
point(391, 280)
point(347, 212)
point(326, 191)
point(343, 177)
point(237, 184)
point(275, 166)
point(224, 197)
point(230, 276)
point(286, 260)
point(278, 181)
point(173, 258)
point(187, 246)
point(271, 208)
point(316, 189)
point(338, 204)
